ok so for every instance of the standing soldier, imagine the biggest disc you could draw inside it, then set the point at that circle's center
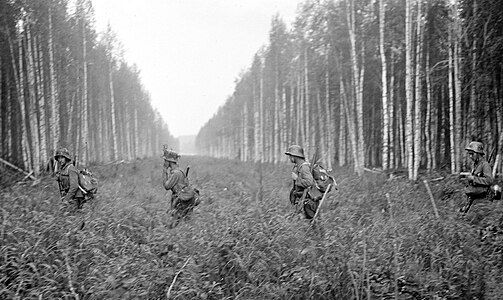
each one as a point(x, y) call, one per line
point(183, 197)
point(479, 180)
point(68, 180)
point(302, 181)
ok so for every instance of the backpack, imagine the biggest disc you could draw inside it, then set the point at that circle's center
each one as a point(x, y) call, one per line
point(322, 179)
point(87, 182)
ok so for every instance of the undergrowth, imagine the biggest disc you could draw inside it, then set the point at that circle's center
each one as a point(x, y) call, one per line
point(243, 242)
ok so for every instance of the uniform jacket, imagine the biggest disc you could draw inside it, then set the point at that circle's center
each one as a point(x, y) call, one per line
point(174, 180)
point(482, 174)
point(69, 182)
point(305, 178)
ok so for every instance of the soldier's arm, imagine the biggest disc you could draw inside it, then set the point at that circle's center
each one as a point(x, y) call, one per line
point(74, 184)
point(487, 179)
point(172, 180)
point(165, 174)
point(305, 178)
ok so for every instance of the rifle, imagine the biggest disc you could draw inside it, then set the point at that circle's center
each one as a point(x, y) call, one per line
point(321, 203)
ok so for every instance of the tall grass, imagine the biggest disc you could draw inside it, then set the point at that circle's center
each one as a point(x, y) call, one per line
point(237, 245)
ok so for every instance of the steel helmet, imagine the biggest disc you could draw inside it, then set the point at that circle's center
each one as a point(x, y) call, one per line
point(295, 150)
point(477, 147)
point(63, 152)
point(171, 156)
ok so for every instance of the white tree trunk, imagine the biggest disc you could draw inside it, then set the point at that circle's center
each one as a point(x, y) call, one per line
point(85, 117)
point(39, 77)
point(342, 126)
point(357, 89)
point(391, 113)
point(329, 124)
point(54, 120)
point(451, 107)
point(418, 92)
point(112, 104)
point(408, 89)
point(35, 145)
point(457, 81)
point(384, 94)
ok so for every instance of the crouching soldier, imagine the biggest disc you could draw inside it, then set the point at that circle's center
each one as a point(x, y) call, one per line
point(68, 181)
point(479, 180)
point(303, 181)
point(183, 197)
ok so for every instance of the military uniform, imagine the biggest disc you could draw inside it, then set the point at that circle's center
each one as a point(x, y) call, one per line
point(68, 180)
point(478, 186)
point(183, 196)
point(302, 184)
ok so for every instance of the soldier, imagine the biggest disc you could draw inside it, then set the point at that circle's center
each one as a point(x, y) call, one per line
point(480, 178)
point(302, 181)
point(68, 180)
point(183, 197)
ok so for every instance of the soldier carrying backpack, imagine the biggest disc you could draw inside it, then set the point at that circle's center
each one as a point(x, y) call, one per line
point(68, 180)
point(184, 197)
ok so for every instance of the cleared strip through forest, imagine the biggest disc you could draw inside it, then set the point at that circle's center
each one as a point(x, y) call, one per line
point(237, 244)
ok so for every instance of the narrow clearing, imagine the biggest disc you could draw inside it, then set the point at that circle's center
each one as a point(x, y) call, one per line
point(240, 245)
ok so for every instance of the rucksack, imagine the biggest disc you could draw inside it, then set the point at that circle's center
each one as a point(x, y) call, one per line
point(87, 182)
point(322, 179)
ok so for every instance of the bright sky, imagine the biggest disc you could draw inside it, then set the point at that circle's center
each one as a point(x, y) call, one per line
point(189, 52)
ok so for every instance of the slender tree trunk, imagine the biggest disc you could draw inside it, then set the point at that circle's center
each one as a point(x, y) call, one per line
point(293, 116)
point(115, 151)
point(284, 125)
point(352, 128)
point(408, 89)
point(357, 87)
point(328, 132)
point(457, 82)
point(418, 92)
point(84, 125)
point(384, 94)
point(256, 131)
point(319, 127)
point(262, 115)
point(35, 145)
point(136, 135)
point(391, 107)
point(429, 113)
point(54, 121)
point(342, 126)
point(245, 132)
point(39, 76)
point(451, 107)
point(9, 114)
point(472, 115)
point(307, 101)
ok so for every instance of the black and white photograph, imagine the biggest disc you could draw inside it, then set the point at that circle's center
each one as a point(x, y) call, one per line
point(251, 149)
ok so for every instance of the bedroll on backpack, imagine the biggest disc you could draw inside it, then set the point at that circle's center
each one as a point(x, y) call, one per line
point(87, 182)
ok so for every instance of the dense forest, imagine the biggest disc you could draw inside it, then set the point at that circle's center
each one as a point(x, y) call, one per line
point(64, 85)
point(388, 84)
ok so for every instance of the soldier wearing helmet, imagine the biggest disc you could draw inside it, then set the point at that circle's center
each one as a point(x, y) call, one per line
point(480, 178)
point(181, 195)
point(68, 180)
point(302, 181)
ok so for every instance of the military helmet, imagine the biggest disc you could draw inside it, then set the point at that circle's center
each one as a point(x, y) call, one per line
point(295, 150)
point(477, 147)
point(63, 152)
point(171, 156)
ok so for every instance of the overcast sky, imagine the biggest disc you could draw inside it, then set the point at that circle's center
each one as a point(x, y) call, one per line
point(190, 51)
